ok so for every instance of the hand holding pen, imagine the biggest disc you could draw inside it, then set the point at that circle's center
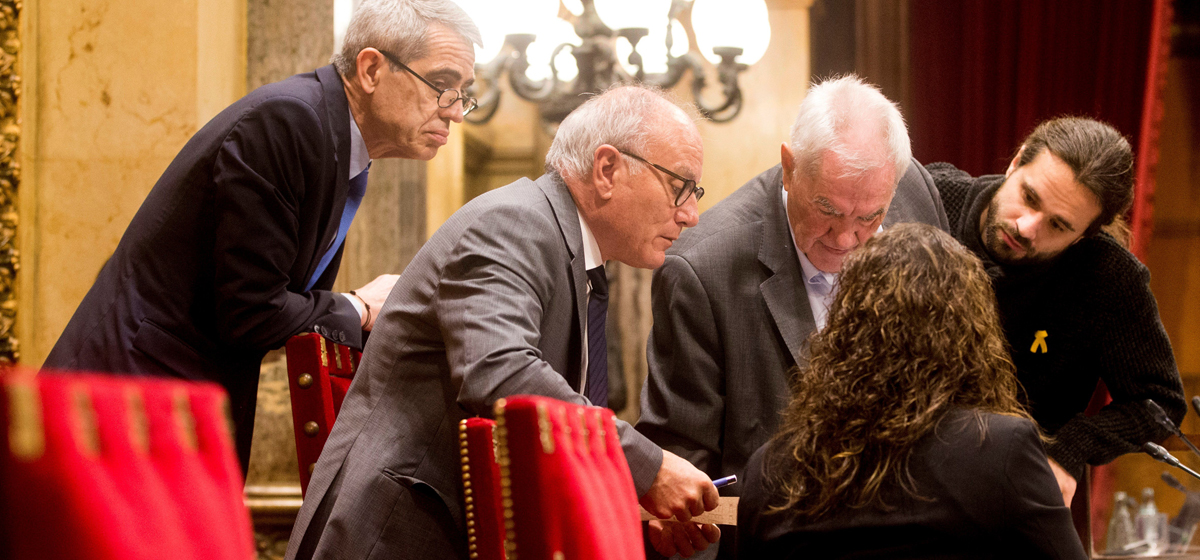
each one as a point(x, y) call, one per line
point(726, 481)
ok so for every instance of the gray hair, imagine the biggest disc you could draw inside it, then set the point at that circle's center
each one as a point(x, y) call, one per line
point(838, 106)
point(400, 27)
point(622, 117)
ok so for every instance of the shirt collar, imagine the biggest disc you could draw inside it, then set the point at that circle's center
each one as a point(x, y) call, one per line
point(359, 158)
point(591, 249)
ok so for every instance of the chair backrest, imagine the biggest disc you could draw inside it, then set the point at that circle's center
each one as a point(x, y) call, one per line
point(319, 374)
point(481, 489)
point(566, 489)
point(128, 468)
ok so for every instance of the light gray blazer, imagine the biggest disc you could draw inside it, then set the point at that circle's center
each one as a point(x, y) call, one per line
point(493, 305)
point(730, 320)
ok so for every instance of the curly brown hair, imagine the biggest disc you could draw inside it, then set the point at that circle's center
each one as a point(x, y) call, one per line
point(912, 332)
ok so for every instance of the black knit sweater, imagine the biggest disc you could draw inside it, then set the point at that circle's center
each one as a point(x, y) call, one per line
point(1100, 321)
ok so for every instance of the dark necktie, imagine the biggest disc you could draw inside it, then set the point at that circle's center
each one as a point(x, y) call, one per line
point(597, 368)
point(358, 188)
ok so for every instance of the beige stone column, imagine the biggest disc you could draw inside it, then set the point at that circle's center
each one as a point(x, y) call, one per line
point(112, 89)
point(286, 37)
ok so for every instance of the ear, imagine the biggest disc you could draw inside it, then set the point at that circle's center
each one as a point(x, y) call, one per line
point(368, 70)
point(1015, 163)
point(605, 162)
point(787, 159)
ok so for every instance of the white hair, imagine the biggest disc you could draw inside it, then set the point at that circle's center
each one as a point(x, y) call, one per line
point(839, 106)
point(623, 117)
point(400, 27)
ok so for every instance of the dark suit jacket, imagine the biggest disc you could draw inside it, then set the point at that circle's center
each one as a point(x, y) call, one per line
point(983, 494)
point(493, 305)
point(211, 272)
point(731, 317)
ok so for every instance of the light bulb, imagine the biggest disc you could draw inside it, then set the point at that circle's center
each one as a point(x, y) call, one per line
point(732, 23)
point(618, 14)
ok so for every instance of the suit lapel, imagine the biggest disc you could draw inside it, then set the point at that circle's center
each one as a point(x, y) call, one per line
point(784, 290)
point(568, 223)
point(337, 114)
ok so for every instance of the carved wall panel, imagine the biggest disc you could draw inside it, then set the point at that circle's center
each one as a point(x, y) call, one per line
point(10, 175)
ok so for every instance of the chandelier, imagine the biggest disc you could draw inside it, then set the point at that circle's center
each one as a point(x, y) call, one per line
point(578, 54)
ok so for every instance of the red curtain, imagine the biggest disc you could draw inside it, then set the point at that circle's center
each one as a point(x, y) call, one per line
point(983, 73)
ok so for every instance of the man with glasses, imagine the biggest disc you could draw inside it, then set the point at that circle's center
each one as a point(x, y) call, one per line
point(237, 246)
point(508, 297)
point(739, 294)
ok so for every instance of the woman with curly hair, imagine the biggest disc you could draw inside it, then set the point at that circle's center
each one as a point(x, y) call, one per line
point(904, 437)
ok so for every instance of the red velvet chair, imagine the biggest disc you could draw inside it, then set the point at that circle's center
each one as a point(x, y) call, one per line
point(481, 489)
point(319, 375)
point(566, 489)
point(104, 467)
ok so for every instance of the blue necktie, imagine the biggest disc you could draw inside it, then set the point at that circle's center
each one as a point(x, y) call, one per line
point(358, 188)
point(597, 368)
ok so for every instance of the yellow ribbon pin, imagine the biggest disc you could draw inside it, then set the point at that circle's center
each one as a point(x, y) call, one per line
point(1039, 342)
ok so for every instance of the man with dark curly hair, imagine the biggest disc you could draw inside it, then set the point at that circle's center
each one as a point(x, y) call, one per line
point(1075, 303)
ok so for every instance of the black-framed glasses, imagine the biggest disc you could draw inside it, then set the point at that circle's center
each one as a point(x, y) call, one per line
point(446, 97)
point(682, 194)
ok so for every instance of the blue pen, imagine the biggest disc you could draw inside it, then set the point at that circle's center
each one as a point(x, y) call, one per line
point(721, 482)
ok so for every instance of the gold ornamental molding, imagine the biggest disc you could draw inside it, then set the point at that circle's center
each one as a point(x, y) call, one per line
point(10, 174)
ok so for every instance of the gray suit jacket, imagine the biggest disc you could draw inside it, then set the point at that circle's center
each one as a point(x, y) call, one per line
point(493, 305)
point(730, 320)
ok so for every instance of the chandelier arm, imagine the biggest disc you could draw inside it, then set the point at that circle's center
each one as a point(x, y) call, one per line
point(489, 100)
point(725, 114)
point(634, 35)
point(676, 66)
point(727, 73)
point(540, 90)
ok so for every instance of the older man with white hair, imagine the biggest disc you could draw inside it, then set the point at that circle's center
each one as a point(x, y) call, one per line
point(502, 300)
point(738, 295)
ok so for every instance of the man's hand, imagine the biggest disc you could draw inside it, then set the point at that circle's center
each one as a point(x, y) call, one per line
point(685, 539)
point(374, 294)
point(679, 490)
point(1066, 482)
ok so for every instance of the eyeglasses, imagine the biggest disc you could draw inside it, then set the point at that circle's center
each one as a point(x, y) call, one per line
point(446, 97)
point(681, 194)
